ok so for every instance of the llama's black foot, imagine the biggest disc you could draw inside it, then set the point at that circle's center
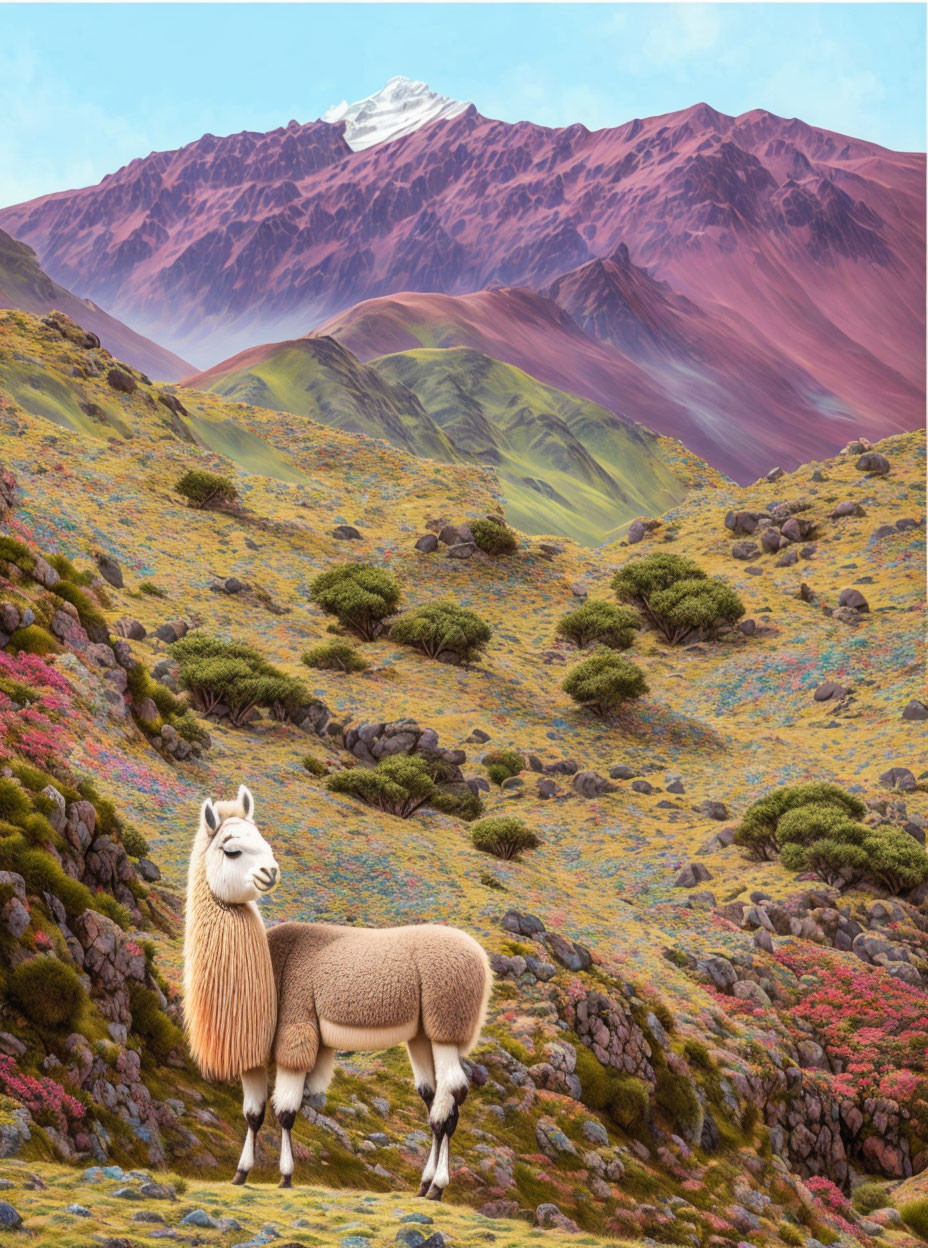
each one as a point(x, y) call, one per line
point(286, 1180)
point(424, 1187)
point(241, 1177)
point(434, 1193)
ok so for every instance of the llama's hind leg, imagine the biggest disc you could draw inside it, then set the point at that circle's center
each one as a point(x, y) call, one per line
point(451, 1086)
point(288, 1097)
point(423, 1071)
point(254, 1099)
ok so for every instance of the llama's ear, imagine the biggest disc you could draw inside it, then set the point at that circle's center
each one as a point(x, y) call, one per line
point(247, 801)
point(210, 816)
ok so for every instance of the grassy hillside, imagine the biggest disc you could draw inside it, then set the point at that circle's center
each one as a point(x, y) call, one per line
point(725, 1017)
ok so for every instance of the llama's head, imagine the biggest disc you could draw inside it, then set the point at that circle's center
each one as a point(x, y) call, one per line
point(240, 866)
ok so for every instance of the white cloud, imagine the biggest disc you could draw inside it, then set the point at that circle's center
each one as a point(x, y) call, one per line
point(679, 32)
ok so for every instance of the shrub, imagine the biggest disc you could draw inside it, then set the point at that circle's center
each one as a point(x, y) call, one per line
point(443, 627)
point(791, 1234)
point(676, 1096)
point(493, 536)
point(151, 589)
point(66, 569)
point(359, 595)
point(314, 766)
point(457, 800)
point(134, 843)
point(206, 490)
point(870, 1196)
point(501, 764)
point(758, 831)
point(914, 1214)
point(399, 785)
point(815, 827)
point(151, 1024)
point(503, 836)
point(604, 681)
point(336, 656)
point(17, 553)
point(14, 803)
point(33, 639)
point(677, 596)
point(235, 676)
point(47, 991)
point(629, 1103)
point(600, 622)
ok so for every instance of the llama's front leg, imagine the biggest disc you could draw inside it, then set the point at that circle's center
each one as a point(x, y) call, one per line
point(450, 1091)
point(423, 1071)
point(254, 1099)
point(288, 1097)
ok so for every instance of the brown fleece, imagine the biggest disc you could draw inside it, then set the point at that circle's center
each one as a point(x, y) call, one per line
point(230, 1002)
point(437, 978)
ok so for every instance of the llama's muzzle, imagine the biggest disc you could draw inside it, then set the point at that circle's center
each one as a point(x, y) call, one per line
point(266, 879)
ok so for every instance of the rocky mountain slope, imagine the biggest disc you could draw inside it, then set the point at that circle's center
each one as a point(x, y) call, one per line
point(777, 230)
point(565, 466)
point(23, 285)
point(684, 1044)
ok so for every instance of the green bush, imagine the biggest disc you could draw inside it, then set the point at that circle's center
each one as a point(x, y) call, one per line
point(399, 785)
point(33, 639)
point(676, 596)
point(814, 827)
point(43, 874)
point(502, 764)
point(604, 681)
point(151, 589)
point(458, 800)
point(503, 836)
point(623, 1097)
point(206, 490)
point(601, 622)
point(14, 803)
point(336, 656)
point(314, 766)
point(17, 553)
point(443, 627)
point(791, 1234)
point(47, 991)
point(676, 1096)
point(134, 843)
point(870, 1196)
point(151, 1024)
point(493, 536)
point(915, 1215)
point(359, 595)
point(758, 831)
point(236, 676)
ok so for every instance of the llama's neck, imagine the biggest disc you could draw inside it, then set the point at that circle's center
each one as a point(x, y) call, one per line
point(230, 1000)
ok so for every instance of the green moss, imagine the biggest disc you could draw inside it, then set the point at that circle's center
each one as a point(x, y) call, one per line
point(152, 1025)
point(151, 589)
point(14, 803)
point(34, 639)
point(47, 991)
point(16, 552)
point(870, 1196)
point(314, 766)
point(91, 617)
point(915, 1215)
point(790, 1234)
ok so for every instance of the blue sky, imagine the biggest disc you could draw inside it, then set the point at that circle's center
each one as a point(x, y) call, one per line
point(85, 88)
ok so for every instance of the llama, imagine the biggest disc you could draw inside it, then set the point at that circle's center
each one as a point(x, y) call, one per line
point(297, 993)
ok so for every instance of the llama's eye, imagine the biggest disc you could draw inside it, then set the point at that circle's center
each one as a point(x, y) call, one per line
point(232, 853)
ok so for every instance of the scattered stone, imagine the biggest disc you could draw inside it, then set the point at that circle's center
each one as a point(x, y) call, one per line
point(676, 786)
point(478, 737)
point(121, 381)
point(546, 788)
point(915, 710)
point(818, 475)
point(9, 1218)
point(521, 924)
point(745, 550)
point(110, 570)
point(808, 551)
point(712, 810)
point(741, 523)
point(622, 772)
point(456, 535)
point(774, 474)
point(854, 599)
point(569, 953)
point(829, 690)
point(578, 589)
point(640, 528)
point(873, 462)
point(747, 627)
point(464, 550)
point(427, 543)
point(131, 628)
point(199, 1218)
point(787, 559)
point(898, 778)
point(594, 1131)
point(642, 786)
point(148, 871)
point(346, 533)
point(848, 508)
point(550, 1217)
point(591, 784)
point(692, 874)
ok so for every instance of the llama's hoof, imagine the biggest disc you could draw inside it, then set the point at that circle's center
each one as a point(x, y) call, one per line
point(434, 1193)
point(286, 1180)
point(240, 1177)
point(424, 1187)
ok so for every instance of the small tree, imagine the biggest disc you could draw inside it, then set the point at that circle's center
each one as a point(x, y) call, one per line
point(600, 622)
point(336, 656)
point(206, 491)
point(676, 596)
point(503, 836)
point(758, 833)
point(233, 675)
point(399, 785)
point(443, 628)
point(493, 536)
point(359, 595)
point(604, 681)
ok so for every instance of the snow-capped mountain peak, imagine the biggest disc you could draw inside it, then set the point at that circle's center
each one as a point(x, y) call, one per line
point(399, 108)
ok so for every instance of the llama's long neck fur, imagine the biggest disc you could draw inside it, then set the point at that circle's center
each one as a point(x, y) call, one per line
point(230, 1000)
